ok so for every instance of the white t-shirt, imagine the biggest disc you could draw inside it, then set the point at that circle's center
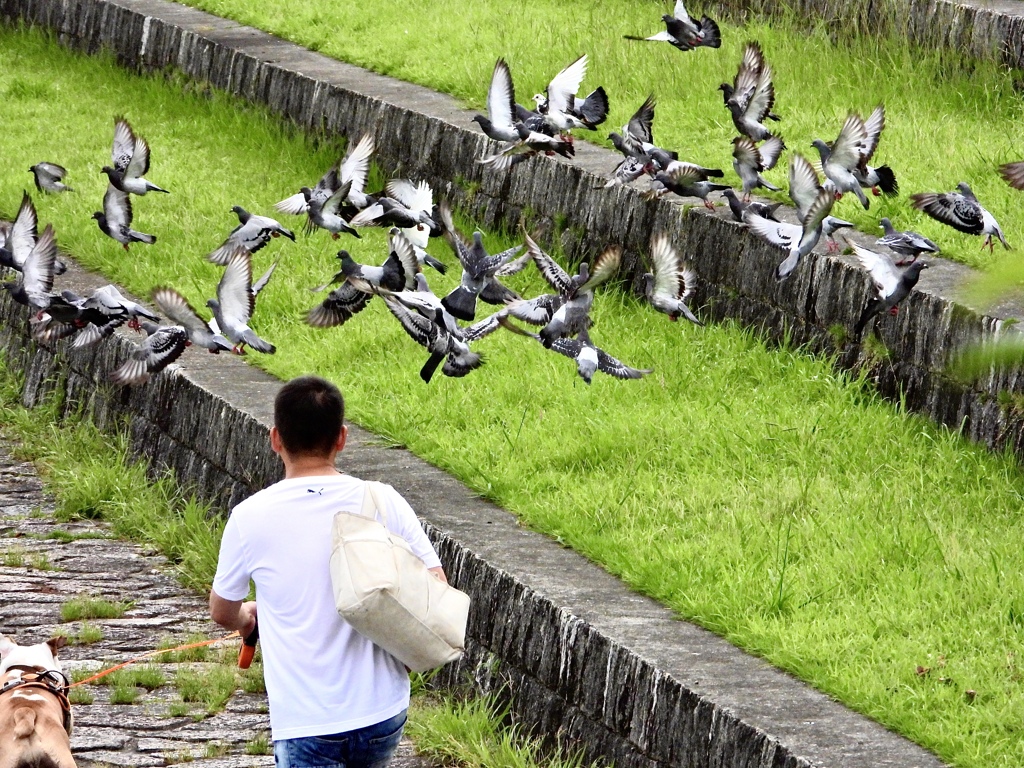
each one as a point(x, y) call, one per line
point(322, 676)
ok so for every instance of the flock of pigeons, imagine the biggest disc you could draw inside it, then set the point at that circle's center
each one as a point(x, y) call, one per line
point(447, 326)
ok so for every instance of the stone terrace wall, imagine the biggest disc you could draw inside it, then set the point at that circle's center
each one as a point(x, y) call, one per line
point(424, 134)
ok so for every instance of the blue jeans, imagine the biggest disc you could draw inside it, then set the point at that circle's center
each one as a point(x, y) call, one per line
point(369, 747)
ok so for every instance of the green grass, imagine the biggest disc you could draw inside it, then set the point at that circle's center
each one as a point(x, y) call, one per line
point(13, 558)
point(145, 676)
point(937, 104)
point(92, 608)
point(211, 687)
point(124, 694)
point(754, 490)
point(80, 696)
point(88, 634)
point(259, 745)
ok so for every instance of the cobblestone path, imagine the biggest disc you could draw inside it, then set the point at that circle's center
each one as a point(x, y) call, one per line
point(45, 564)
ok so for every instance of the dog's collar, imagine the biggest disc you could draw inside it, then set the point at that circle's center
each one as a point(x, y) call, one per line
point(52, 680)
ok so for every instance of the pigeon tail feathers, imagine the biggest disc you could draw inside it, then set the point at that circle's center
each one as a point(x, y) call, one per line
point(461, 303)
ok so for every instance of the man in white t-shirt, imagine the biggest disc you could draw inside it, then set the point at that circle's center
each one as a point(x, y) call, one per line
point(336, 699)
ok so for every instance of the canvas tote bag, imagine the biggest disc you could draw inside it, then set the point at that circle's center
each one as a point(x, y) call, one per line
point(387, 594)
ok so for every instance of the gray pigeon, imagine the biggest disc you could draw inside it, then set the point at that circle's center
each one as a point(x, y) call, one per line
point(880, 180)
point(116, 219)
point(841, 159)
point(962, 212)
point(181, 313)
point(130, 157)
point(162, 346)
point(891, 284)
point(751, 97)
point(737, 206)
point(21, 236)
point(252, 233)
point(909, 245)
point(235, 302)
point(49, 177)
point(353, 170)
point(686, 180)
point(672, 281)
point(103, 311)
point(499, 124)
point(749, 161)
point(327, 214)
point(590, 359)
point(34, 284)
point(682, 31)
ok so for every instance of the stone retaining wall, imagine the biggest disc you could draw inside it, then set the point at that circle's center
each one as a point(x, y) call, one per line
point(423, 134)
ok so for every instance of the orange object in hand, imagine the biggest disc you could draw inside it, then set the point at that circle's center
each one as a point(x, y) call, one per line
point(248, 649)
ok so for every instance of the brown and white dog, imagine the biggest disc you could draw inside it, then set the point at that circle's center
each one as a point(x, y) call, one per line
point(35, 719)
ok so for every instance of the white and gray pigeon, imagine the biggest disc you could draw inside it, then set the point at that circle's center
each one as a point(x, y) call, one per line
point(590, 359)
point(35, 282)
point(327, 214)
point(116, 219)
point(354, 170)
point(406, 205)
point(686, 180)
point(880, 180)
point(235, 302)
point(499, 124)
point(751, 97)
point(530, 143)
point(130, 161)
point(1013, 173)
point(829, 227)
point(180, 312)
point(749, 161)
point(685, 33)
point(21, 236)
point(961, 211)
point(561, 108)
point(841, 159)
point(908, 245)
point(737, 206)
point(104, 310)
point(891, 284)
point(671, 282)
point(49, 177)
point(162, 346)
point(252, 233)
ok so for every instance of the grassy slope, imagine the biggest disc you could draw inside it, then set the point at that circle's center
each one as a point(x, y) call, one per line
point(753, 490)
point(945, 125)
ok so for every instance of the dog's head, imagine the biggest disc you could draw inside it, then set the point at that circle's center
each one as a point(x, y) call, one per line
point(42, 656)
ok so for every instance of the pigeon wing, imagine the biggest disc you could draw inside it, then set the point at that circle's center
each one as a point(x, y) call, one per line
point(763, 97)
point(873, 128)
point(538, 310)
point(746, 154)
point(554, 274)
point(640, 125)
point(138, 166)
point(24, 231)
point(604, 266)
point(1013, 173)
point(356, 165)
point(563, 86)
point(680, 12)
point(667, 268)
point(260, 284)
point(117, 207)
point(38, 268)
point(424, 332)
point(619, 370)
point(415, 197)
point(54, 171)
point(849, 145)
point(234, 289)
point(883, 272)
point(403, 252)
point(952, 209)
point(124, 145)
point(779, 233)
point(803, 184)
point(296, 205)
point(501, 96)
point(179, 311)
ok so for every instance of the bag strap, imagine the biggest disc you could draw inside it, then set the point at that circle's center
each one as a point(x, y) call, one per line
point(372, 507)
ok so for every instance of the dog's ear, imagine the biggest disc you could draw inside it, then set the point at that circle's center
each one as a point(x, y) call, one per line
point(56, 643)
point(6, 644)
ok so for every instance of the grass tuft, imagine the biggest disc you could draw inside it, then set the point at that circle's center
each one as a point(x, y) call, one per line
point(92, 608)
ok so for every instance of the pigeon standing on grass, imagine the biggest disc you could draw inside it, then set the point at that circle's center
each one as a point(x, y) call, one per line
point(671, 283)
point(961, 211)
point(49, 177)
point(252, 233)
point(130, 157)
point(908, 245)
point(116, 219)
point(684, 33)
point(749, 161)
point(180, 312)
point(235, 302)
point(162, 346)
point(891, 284)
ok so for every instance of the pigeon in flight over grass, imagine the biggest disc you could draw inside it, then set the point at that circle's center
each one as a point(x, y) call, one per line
point(116, 219)
point(880, 180)
point(21, 237)
point(49, 177)
point(162, 346)
point(637, 137)
point(840, 160)
point(35, 282)
point(672, 281)
point(235, 302)
point(751, 97)
point(1013, 173)
point(353, 170)
point(499, 124)
point(252, 233)
point(560, 107)
point(683, 32)
point(590, 359)
point(749, 161)
point(406, 205)
point(686, 180)
point(891, 285)
point(130, 158)
point(908, 245)
point(180, 312)
point(962, 211)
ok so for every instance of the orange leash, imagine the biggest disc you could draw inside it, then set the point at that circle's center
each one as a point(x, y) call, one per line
point(150, 654)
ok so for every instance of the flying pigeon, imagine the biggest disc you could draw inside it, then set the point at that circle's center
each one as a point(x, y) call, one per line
point(327, 215)
point(162, 346)
point(749, 161)
point(686, 180)
point(181, 313)
point(560, 107)
point(590, 359)
point(961, 211)
point(420, 239)
point(637, 136)
point(881, 179)
point(684, 33)
point(95, 317)
point(21, 237)
point(737, 206)
point(530, 143)
point(671, 283)
point(480, 271)
point(751, 97)
point(1013, 173)
point(841, 159)
point(233, 307)
point(252, 233)
point(49, 177)
point(891, 284)
point(130, 157)
point(34, 283)
point(116, 219)
point(499, 124)
point(909, 245)
point(353, 170)
point(406, 205)
point(572, 315)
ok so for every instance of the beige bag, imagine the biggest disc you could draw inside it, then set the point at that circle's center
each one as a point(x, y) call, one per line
point(387, 594)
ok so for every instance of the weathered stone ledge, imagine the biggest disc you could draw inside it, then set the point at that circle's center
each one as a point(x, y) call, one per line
point(424, 134)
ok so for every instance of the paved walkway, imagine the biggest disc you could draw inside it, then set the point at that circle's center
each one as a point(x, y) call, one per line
point(39, 573)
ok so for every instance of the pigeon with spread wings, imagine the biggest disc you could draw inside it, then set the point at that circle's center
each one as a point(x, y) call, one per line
point(130, 158)
point(961, 211)
point(684, 32)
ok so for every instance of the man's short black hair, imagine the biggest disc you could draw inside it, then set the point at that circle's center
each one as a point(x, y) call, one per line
point(308, 413)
